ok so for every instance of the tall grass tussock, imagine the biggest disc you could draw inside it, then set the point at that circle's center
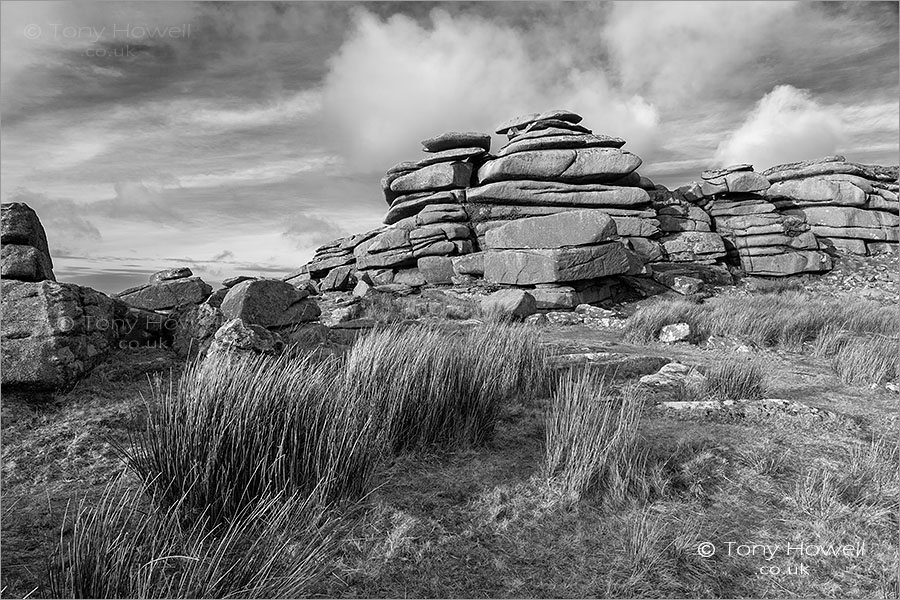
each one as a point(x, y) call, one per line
point(123, 548)
point(235, 431)
point(734, 379)
point(591, 440)
point(435, 388)
point(246, 461)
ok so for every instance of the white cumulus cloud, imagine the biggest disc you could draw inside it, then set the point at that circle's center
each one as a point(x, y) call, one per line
point(395, 82)
point(786, 125)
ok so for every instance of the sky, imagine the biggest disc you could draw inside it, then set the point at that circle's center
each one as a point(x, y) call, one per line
point(237, 137)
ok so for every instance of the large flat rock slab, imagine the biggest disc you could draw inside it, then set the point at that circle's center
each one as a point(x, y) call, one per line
point(571, 228)
point(167, 294)
point(569, 166)
point(436, 177)
point(531, 267)
point(555, 193)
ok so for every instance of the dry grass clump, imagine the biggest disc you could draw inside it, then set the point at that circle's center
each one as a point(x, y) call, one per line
point(237, 431)
point(591, 440)
point(734, 380)
point(645, 325)
point(434, 388)
point(278, 548)
point(869, 358)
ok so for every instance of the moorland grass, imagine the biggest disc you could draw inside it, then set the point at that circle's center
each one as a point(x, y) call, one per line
point(123, 548)
point(435, 388)
point(734, 379)
point(861, 337)
point(644, 326)
point(238, 430)
point(591, 440)
point(246, 460)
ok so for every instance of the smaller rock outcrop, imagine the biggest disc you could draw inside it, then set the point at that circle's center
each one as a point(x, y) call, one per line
point(53, 333)
point(756, 235)
point(847, 205)
point(167, 290)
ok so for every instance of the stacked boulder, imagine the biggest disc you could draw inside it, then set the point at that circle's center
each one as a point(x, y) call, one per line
point(548, 181)
point(427, 224)
point(848, 206)
point(336, 260)
point(552, 164)
point(687, 232)
point(755, 235)
point(257, 316)
point(52, 333)
point(561, 209)
point(26, 256)
point(167, 290)
point(578, 247)
point(257, 308)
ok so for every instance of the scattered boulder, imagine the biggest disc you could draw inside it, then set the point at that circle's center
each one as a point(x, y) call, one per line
point(509, 304)
point(54, 333)
point(677, 332)
point(237, 339)
point(195, 326)
point(268, 303)
point(594, 312)
point(564, 319)
point(169, 274)
point(166, 294)
point(673, 381)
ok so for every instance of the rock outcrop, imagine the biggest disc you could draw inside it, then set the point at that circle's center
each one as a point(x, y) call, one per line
point(564, 212)
point(461, 214)
point(847, 205)
point(762, 240)
point(52, 333)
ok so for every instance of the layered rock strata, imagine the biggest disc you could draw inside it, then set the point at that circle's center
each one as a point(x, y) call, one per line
point(849, 206)
point(762, 240)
